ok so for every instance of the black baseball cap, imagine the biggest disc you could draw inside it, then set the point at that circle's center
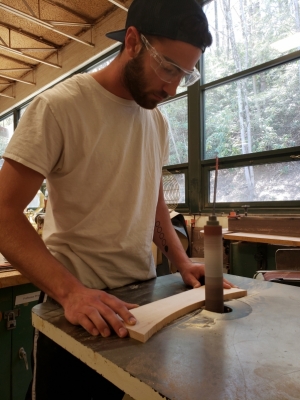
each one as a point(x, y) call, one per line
point(182, 20)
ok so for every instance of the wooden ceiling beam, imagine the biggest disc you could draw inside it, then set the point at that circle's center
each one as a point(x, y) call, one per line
point(118, 4)
point(16, 69)
point(42, 23)
point(10, 96)
point(69, 10)
point(30, 36)
point(65, 23)
point(21, 54)
point(71, 56)
point(15, 79)
point(14, 60)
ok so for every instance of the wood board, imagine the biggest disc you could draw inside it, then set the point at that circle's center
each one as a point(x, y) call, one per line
point(267, 225)
point(261, 238)
point(154, 316)
point(12, 278)
point(288, 259)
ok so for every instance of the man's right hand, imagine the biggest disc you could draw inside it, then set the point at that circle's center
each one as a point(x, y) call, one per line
point(98, 312)
point(95, 310)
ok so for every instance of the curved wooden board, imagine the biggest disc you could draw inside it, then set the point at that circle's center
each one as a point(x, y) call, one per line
point(154, 316)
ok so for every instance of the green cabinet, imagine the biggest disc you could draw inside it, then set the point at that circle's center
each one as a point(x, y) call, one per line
point(16, 343)
point(247, 258)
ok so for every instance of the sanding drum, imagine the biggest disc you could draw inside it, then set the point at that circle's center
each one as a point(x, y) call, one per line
point(213, 256)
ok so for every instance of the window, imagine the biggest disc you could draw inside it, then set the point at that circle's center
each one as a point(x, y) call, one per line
point(101, 64)
point(22, 110)
point(245, 109)
point(250, 105)
point(6, 131)
point(175, 112)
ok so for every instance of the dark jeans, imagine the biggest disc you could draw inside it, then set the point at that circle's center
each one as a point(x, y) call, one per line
point(61, 376)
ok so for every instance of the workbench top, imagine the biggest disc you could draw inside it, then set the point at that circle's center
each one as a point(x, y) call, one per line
point(248, 354)
point(263, 238)
point(11, 278)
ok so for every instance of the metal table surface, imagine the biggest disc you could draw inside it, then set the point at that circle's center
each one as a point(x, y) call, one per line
point(250, 353)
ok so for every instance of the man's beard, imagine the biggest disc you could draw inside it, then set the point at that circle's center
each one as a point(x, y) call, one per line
point(135, 82)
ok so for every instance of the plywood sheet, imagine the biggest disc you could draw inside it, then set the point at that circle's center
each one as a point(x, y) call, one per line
point(154, 316)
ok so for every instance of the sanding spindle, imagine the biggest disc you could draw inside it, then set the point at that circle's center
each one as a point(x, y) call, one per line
point(213, 256)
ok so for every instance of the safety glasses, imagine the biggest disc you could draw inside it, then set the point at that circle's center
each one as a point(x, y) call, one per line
point(168, 71)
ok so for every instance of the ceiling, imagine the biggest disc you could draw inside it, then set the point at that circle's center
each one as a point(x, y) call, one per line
point(35, 32)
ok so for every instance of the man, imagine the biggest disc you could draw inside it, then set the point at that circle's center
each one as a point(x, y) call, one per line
point(101, 143)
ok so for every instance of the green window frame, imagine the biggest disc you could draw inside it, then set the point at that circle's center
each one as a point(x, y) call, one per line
point(283, 155)
point(196, 165)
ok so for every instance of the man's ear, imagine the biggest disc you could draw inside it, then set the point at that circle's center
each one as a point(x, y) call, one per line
point(133, 43)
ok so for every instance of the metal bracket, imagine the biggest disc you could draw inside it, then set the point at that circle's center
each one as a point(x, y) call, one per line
point(11, 318)
point(16, 311)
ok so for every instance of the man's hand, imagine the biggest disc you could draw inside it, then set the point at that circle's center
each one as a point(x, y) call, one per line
point(98, 312)
point(192, 272)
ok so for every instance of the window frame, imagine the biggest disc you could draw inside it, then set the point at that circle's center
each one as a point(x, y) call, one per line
point(265, 157)
point(197, 169)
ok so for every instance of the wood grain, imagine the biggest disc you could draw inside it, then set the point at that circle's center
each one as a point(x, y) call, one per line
point(12, 278)
point(154, 316)
point(261, 238)
point(267, 225)
point(288, 259)
point(72, 57)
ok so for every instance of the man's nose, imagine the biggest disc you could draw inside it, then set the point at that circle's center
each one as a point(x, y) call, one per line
point(171, 87)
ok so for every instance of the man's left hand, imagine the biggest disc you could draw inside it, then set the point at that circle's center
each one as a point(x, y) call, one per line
point(192, 273)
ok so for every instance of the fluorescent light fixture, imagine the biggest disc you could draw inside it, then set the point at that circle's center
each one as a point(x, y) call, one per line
point(288, 43)
point(118, 4)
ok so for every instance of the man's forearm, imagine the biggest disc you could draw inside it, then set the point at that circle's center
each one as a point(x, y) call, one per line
point(167, 241)
point(95, 310)
point(25, 250)
point(165, 236)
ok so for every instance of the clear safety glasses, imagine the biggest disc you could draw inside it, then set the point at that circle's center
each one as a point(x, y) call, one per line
point(168, 71)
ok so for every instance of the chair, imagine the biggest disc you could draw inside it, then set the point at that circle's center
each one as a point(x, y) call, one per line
point(287, 268)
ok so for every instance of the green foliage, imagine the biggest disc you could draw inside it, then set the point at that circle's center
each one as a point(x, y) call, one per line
point(6, 127)
point(260, 112)
point(176, 114)
point(3, 144)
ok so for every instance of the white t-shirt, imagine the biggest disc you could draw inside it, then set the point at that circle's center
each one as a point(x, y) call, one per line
point(102, 157)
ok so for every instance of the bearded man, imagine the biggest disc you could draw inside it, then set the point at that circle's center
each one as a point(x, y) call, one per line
point(100, 142)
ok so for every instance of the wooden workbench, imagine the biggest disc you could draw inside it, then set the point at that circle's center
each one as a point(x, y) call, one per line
point(263, 238)
point(251, 353)
point(11, 278)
